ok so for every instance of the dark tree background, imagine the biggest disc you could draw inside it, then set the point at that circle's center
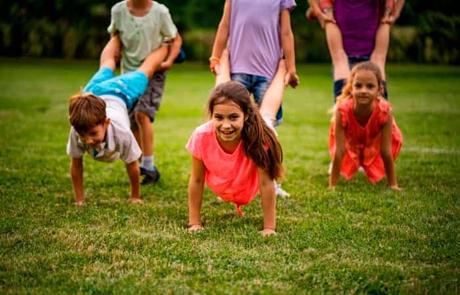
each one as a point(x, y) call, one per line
point(428, 31)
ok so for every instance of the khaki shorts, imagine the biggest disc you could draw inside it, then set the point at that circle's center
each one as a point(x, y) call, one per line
point(149, 102)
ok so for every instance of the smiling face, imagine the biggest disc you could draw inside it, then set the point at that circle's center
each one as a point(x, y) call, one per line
point(95, 135)
point(228, 121)
point(365, 87)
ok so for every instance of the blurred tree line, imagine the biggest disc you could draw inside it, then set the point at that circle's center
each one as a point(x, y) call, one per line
point(427, 31)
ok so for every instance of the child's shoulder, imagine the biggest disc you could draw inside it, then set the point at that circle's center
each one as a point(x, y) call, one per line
point(160, 8)
point(119, 6)
point(204, 128)
point(384, 105)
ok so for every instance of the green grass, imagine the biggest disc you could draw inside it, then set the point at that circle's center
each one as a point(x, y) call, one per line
point(358, 239)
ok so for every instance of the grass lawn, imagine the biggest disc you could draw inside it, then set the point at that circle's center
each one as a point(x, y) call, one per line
point(359, 238)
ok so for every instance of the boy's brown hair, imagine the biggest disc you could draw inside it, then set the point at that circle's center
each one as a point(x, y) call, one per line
point(86, 111)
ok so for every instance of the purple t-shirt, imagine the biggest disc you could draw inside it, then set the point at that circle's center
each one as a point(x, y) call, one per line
point(358, 21)
point(254, 38)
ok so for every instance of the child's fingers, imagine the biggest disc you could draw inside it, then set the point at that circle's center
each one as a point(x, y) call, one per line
point(268, 232)
point(136, 201)
point(79, 203)
point(195, 228)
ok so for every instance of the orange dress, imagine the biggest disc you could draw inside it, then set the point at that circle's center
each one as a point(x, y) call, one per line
point(362, 143)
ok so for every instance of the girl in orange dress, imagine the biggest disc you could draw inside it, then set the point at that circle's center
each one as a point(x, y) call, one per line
point(363, 132)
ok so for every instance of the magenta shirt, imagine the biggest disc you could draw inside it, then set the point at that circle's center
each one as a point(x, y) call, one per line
point(254, 38)
point(358, 21)
point(233, 177)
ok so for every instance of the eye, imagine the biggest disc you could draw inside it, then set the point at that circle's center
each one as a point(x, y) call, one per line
point(234, 117)
point(217, 117)
point(370, 86)
point(358, 85)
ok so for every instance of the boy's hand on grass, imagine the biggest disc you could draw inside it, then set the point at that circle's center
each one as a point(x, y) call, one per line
point(266, 232)
point(195, 228)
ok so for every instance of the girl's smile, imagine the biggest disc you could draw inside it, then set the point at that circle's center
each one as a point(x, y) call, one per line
point(228, 120)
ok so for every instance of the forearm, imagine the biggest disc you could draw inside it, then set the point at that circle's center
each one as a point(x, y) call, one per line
point(287, 40)
point(220, 43)
point(336, 165)
point(133, 174)
point(389, 168)
point(269, 205)
point(76, 173)
point(174, 49)
point(195, 197)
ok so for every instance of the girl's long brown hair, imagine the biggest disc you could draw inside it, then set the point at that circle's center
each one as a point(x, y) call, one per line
point(259, 141)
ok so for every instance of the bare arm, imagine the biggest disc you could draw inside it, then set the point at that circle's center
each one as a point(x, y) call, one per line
point(133, 173)
point(76, 173)
point(339, 150)
point(195, 194)
point(111, 53)
point(267, 192)
point(287, 42)
point(220, 41)
point(387, 157)
point(174, 49)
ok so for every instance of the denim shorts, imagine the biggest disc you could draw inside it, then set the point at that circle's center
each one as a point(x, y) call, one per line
point(128, 87)
point(257, 85)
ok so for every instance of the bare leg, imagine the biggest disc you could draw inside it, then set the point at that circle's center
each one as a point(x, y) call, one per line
point(223, 71)
point(338, 55)
point(382, 41)
point(273, 97)
point(146, 133)
point(153, 61)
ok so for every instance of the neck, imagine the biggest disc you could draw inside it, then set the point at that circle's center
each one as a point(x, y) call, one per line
point(363, 112)
point(139, 7)
point(228, 146)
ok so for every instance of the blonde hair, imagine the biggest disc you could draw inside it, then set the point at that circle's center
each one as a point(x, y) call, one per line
point(256, 135)
point(86, 110)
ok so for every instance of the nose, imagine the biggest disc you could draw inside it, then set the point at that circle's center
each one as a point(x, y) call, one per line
point(226, 124)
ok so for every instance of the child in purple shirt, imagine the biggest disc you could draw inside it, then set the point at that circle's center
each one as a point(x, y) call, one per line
point(356, 30)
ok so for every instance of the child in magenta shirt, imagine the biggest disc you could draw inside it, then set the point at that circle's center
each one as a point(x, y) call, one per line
point(236, 154)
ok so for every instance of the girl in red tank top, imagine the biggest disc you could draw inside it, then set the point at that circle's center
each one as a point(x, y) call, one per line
point(363, 132)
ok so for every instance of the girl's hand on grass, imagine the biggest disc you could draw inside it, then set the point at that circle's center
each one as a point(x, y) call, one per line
point(79, 203)
point(266, 232)
point(136, 201)
point(195, 228)
point(395, 187)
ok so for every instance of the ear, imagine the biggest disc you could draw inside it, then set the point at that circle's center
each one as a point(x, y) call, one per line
point(107, 122)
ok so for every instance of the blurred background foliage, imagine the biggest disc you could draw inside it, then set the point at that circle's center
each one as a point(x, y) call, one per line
point(427, 31)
